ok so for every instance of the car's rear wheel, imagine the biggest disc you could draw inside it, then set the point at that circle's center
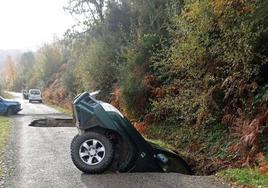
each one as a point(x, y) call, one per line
point(92, 152)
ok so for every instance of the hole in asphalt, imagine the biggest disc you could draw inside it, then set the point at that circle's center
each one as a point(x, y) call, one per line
point(52, 122)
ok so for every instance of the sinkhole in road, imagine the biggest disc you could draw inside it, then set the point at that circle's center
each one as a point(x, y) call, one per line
point(52, 122)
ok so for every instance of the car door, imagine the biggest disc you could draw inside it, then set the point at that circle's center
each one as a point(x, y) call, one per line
point(2, 106)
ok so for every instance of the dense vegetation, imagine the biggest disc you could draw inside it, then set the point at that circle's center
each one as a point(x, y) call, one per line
point(192, 73)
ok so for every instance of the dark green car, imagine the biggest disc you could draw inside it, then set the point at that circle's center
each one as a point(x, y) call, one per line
point(25, 94)
point(108, 141)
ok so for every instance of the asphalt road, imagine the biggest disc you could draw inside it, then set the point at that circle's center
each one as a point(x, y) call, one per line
point(38, 157)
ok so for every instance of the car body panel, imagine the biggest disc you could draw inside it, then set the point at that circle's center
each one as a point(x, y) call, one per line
point(90, 113)
point(3, 107)
point(5, 104)
point(35, 95)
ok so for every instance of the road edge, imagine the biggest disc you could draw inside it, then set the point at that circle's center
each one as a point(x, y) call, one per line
point(5, 129)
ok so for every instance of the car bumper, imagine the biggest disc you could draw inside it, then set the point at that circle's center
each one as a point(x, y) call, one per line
point(17, 109)
point(35, 99)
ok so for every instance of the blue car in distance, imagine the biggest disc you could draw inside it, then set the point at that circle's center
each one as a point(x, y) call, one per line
point(9, 107)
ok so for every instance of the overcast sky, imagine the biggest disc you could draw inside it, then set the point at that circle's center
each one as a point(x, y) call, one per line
point(27, 24)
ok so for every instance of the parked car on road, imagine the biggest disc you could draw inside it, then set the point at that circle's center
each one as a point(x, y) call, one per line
point(35, 95)
point(9, 107)
point(25, 94)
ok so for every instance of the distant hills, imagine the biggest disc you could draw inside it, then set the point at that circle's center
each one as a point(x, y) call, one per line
point(13, 53)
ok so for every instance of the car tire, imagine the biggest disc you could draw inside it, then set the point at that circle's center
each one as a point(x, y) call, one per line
point(9, 111)
point(82, 157)
point(30, 101)
point(128, 153)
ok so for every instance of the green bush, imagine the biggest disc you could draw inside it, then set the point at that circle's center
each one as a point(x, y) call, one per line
point(208, 46)
point(97, 67)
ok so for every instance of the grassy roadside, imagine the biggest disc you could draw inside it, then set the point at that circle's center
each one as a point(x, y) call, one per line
point(244, 177)
point(63, 110)
point(7, 95)
point(4, 131)
point(60, 109)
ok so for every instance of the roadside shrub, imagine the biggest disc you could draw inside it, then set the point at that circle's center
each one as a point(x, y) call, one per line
point(97, 67)
point(209, 78)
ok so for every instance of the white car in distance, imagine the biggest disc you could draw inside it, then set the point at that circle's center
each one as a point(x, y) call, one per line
point(35, 95)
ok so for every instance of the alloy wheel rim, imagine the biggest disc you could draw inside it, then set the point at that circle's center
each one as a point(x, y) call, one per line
point(92, 152)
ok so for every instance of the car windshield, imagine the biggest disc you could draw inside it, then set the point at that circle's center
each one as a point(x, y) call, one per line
point(35, 92)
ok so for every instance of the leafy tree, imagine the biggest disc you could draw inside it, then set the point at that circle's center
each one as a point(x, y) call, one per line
point(92, 10)
point(27, 61)
point(25, 66)
point(10, 72)
point(49, 61)
point(97, 67)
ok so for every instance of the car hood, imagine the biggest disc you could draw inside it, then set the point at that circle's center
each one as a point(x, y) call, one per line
point(10, 102)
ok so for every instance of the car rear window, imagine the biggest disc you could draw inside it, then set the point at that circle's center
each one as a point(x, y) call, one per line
point(35, 92)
